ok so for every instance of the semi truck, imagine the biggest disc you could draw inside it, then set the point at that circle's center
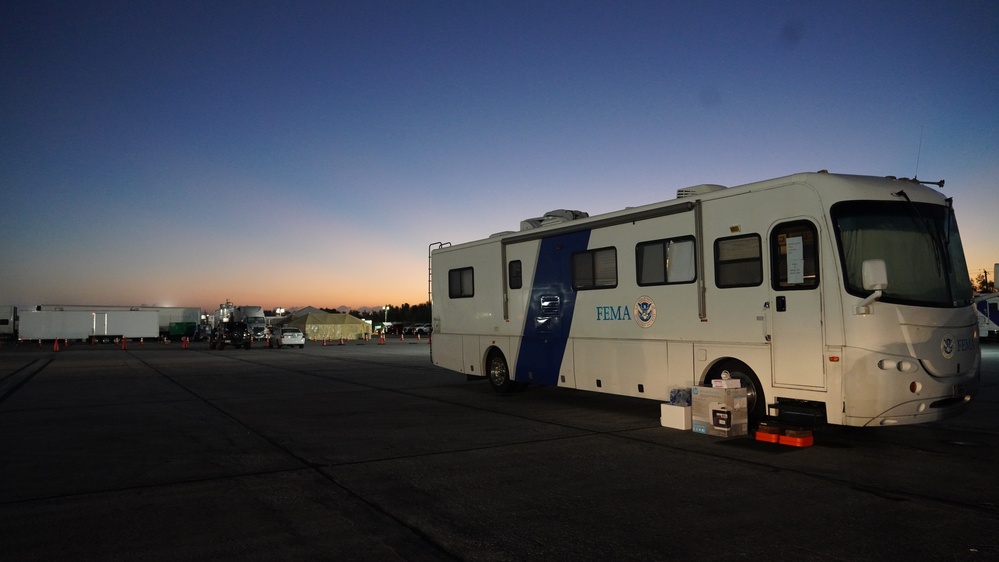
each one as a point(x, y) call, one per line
point(253, 317)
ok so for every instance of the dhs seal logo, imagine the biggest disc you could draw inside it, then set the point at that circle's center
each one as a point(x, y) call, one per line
point(645, 311)
point(947, 345)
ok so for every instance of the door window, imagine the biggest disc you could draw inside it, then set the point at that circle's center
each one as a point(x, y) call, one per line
point(794, 256)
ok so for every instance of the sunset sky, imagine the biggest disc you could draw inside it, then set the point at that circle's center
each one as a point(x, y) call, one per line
point(307, 153)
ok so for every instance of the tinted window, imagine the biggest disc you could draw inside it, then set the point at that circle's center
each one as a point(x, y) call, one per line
point(660, 262)
point(738, 261)
point(461, 283)
point(594, 269)
point(516, 275)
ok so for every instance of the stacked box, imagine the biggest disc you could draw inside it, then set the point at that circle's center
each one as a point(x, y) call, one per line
point(719, 411)
point(677, 417)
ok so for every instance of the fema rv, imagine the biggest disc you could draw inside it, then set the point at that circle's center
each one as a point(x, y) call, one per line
point(834, 297)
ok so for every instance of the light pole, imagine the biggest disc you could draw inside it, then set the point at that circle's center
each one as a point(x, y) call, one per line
point(384, 327)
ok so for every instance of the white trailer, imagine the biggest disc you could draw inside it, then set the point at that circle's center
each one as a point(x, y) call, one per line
point(172, 321)
point(835, 297)
point(101, 325)
point(8, 322)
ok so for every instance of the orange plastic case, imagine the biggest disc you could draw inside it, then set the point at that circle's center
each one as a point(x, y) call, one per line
point(767, 437)
point(796, 441)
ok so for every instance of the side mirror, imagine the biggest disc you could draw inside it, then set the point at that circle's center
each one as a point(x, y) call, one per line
point(875, 275)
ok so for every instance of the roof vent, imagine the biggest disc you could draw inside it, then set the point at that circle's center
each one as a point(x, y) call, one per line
point(552, 217)
point(698, 190)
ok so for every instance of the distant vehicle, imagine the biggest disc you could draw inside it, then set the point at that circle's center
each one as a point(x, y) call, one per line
point(988, 317)
point(8, 322)
point(283, 336)
point(421, 329)
point(230, 333)
point(203, 333)
point(253, 316)
point(396, 328)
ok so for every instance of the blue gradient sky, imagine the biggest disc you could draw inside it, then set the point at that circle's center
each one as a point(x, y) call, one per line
point(307, 153)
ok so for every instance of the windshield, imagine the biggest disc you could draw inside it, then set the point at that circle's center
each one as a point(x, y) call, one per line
point(919, 243)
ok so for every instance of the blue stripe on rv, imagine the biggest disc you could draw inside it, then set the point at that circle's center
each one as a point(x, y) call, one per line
point(545, 334)
point(992, 313)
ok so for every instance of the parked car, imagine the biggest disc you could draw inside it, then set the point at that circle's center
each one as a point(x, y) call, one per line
point(422, 330)
point(230, 333)
point(287, 336)
point(203, 332)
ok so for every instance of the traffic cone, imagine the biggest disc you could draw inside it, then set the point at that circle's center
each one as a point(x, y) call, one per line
point(124, 345)
point(402, 336)
point(142, 341)
point(381, 339)
point(39, 342)
point(417, 336)
point(341, 341)
point(55, 346)
point(324, 342)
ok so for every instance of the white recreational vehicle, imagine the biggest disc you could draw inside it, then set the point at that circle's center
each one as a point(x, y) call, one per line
point(836, 297)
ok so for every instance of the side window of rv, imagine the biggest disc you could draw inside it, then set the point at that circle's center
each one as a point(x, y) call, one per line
point(516, 275)
point(794, 256)
point(461, 283)
point(661, 262)
point(594, 269)
point(738, 261)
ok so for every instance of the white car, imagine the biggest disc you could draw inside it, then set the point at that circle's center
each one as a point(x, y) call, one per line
point(287, 336)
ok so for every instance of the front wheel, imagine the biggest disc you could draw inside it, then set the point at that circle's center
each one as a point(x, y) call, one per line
point(756, 404)
point(499, 373)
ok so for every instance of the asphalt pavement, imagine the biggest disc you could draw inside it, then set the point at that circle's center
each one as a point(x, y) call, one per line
point(369, 452)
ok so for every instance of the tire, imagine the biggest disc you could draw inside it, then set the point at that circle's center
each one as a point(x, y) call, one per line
point(756, 403)
point(498, 373)
point(301, 346)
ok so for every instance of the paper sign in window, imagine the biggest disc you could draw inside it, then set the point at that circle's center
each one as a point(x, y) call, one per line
point(795, 261)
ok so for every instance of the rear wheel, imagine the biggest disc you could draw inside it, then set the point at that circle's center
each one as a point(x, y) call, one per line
point(756, 404)
point(499, 373)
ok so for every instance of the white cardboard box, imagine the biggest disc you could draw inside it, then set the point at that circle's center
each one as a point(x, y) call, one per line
point(726, 383)
point(677, 417)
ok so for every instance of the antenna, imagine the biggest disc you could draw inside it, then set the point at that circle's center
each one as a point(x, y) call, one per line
point(919, 151)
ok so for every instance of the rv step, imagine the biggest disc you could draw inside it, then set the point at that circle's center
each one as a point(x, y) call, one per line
point(805, 413)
